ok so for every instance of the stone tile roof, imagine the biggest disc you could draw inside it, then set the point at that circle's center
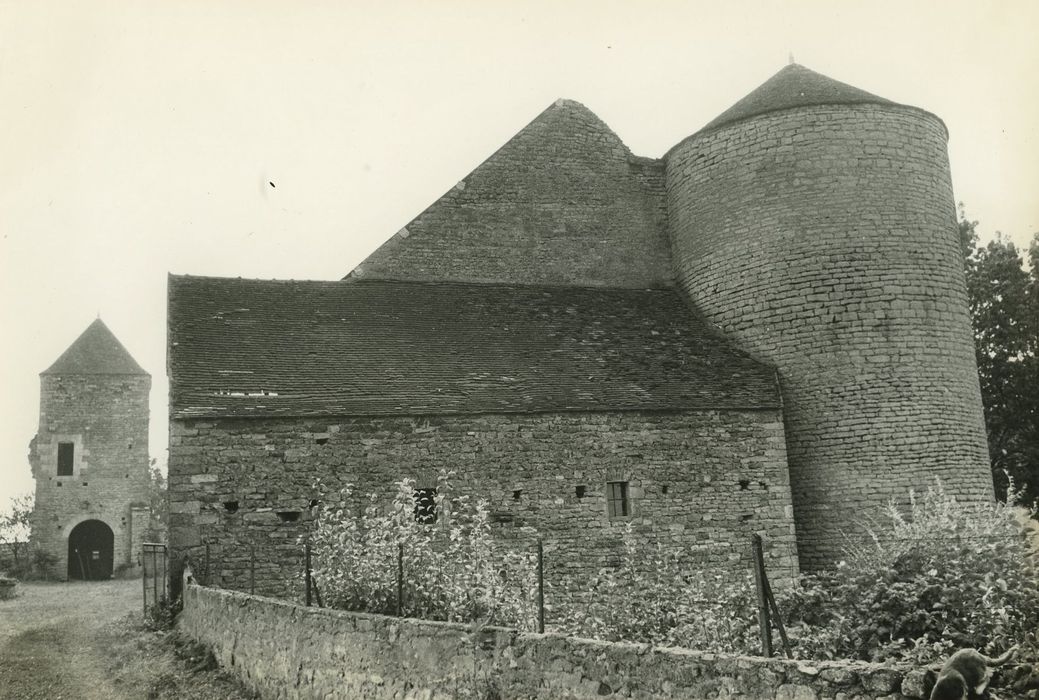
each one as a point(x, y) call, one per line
point(794, 86)
point(95, 351)
point(240, 347)
point(563, 202)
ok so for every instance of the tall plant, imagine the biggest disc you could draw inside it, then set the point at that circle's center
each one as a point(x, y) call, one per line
point(937, 576)
point(452, 567)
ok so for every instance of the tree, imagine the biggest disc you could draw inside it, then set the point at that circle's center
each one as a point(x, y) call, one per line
point(15, 525)
point(1004, 306)
point(158, 501)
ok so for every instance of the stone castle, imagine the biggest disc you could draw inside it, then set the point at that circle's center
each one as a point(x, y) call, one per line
point(763, 331)
point(90, 459)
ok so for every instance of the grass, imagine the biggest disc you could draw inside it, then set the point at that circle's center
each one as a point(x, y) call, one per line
point(89, 640)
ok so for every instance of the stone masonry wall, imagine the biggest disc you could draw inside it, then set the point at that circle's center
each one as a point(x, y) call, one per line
point(283, 650)
point(564, 202)
point(106, 418)
point(702, 482)
point(823, 240)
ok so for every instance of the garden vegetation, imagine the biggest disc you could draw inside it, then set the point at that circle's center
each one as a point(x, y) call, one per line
point(937, 575)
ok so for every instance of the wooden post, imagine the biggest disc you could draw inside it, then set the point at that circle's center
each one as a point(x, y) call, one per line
point(144, 582)
point(155, 577)
point(778, 618)
point(317, 594)
point(541, 587)
point(764, 626)
point(207, 565)
point(252, 569)
point(400, 579)
point(306, 578)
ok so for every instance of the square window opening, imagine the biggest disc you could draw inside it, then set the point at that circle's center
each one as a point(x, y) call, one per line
point(66, 458)
point(617, 505)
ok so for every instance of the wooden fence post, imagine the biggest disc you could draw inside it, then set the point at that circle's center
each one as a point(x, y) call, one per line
point(144, 581)
point(764, 625)
point(541, 587)
point(400, 579)
point(306, 576)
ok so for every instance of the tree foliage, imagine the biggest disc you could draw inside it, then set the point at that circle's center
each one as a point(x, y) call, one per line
point(1004, 306)
point(158, 502)
point(15, 525)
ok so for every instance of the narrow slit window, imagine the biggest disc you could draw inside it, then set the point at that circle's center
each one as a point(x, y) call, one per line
point(66, 458)
point(617, 499)
point(425, 505)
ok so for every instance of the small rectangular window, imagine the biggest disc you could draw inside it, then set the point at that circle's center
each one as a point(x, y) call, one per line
point(66, 457)
point(425, 505)
point(617, 499)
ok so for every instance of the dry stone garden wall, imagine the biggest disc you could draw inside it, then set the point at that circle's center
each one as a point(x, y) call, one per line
point(283, 650)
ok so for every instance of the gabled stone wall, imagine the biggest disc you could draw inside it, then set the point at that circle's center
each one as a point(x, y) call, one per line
point(564, 202)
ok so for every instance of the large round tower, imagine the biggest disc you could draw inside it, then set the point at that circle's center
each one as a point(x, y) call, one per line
point(815, 224)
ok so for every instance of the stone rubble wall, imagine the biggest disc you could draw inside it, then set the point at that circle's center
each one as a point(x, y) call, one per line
point(823, 240)
point(283, 650)
point(701, 482)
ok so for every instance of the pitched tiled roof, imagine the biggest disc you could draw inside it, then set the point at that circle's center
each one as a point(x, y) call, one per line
point(257, 348)
point(794, 86)
point(95, 351)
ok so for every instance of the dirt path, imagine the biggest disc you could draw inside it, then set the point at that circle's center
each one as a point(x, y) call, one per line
point(52, 643)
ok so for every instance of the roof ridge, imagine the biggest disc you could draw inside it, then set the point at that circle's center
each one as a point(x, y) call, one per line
point(431, 283)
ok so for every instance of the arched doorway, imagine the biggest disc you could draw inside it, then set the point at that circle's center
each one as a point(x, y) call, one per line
point(91, 545)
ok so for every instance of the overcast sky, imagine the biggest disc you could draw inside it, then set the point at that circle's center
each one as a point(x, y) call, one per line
point(138, 138)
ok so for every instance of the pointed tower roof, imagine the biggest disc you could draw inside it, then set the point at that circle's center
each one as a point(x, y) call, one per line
point(95, 351)
point(794, 86)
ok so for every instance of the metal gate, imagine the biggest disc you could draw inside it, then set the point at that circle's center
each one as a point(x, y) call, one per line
point(153, 575)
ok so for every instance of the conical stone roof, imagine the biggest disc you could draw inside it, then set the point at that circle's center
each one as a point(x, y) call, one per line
point(794, 86)
point(95, 351)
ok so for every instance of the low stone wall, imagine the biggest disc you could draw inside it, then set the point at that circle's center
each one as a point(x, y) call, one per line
point(283, 650)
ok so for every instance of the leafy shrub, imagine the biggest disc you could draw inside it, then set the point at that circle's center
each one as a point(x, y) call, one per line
point(161, 615)
point(8, 588)
point(941, 576)
point(37, 567)
point(656, 598)
point(453, 570)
